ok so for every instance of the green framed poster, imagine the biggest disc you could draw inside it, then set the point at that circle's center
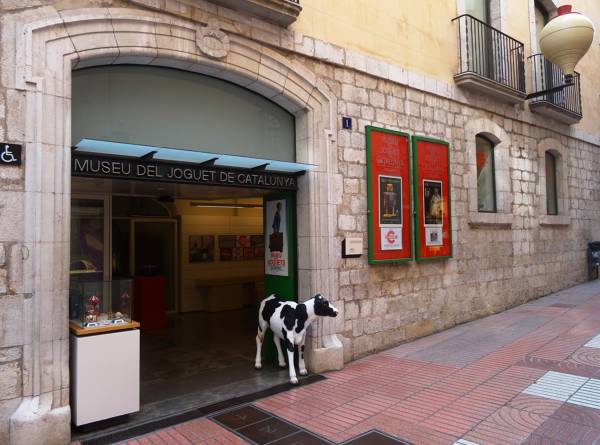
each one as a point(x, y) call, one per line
point(433, 228)
point(389, 196)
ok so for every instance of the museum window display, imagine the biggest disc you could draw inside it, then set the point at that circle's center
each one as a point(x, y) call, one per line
point(95, 304)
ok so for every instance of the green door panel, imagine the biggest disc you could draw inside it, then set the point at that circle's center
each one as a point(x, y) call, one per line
point(284, 286)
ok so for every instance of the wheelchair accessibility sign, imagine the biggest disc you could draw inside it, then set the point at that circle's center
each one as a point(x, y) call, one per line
point(10, 154)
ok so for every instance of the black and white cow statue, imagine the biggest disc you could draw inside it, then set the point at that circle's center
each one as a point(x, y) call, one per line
point(288, 321)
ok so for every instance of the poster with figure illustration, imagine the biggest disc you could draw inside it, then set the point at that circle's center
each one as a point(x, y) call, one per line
point(201, 248)
point(433, 206)
point(390, 201)
point(276, 238)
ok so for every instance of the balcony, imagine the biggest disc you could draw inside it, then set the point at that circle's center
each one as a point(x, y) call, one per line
point(490, 61)
point(279, 12)
point(563, 105)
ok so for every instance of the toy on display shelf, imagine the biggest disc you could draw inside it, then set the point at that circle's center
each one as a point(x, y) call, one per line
point(93, 316)
point(96, 304)
point(125, 305)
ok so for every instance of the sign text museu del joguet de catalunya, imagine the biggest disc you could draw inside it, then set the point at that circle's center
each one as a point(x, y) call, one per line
point(121, 168)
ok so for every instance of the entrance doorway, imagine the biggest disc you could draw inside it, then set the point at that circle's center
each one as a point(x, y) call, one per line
point(182, 168)
point(196, 267)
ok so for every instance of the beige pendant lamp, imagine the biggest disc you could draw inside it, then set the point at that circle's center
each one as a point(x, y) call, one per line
point(566, 39)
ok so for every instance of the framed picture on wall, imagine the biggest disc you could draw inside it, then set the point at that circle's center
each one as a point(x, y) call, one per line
point(242, 241)
point(388, 196)
point(201, 248)
point(226, 241)
point(432, 198)
point(257, 241)
point(390, 201)
point(241, 247)
point(226, 254)
point(238, 254)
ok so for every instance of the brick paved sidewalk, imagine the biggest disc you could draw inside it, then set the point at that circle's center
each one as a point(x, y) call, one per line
point(530, 375)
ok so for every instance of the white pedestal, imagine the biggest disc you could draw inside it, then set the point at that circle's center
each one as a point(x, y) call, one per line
point(105, 375)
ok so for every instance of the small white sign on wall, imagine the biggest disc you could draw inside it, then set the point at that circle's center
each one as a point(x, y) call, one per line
point(352, 247)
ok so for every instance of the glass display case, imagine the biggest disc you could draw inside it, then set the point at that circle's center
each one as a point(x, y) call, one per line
point(94, 303)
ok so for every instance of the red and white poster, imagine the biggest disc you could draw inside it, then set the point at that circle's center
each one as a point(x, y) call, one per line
point(432, 198)
point(276, 238)
point(388, 163)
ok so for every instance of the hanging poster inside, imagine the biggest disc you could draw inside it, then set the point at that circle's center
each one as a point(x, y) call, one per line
point(432, 197)
point(276, 239)
point(388, 189)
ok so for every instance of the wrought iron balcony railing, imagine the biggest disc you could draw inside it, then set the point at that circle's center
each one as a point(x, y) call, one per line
point(492, 56)
point(546, 75)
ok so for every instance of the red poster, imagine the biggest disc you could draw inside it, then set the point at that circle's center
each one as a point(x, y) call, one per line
point(388, 185)
point(432, 198)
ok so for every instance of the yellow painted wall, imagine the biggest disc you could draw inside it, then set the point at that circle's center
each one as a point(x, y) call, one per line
point(517, 25)
point(419, 36)
point(214, 221)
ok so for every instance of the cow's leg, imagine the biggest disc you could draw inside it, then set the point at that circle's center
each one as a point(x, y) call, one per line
point(259, 341)
point(289, 346)
point(280, 357)
point(301, 363)
point(260, 336)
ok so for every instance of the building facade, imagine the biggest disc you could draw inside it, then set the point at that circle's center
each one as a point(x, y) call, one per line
point(524, 173)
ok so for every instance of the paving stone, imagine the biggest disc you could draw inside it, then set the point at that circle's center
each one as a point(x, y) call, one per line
point(556, 386)
point(588, 395)
point(594, 342)
point(536, 385)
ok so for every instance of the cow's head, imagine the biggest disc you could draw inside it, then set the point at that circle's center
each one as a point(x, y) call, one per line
point(324, 307)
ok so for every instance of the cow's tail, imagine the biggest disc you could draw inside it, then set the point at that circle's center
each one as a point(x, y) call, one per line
point(262, 323)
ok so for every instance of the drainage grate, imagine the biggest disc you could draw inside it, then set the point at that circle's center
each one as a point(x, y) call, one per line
point(556, 386)
point(241, 417)
point(375, 437)
point(260, 427)
point(588, 395)
point(594, 342)
point(269, 430)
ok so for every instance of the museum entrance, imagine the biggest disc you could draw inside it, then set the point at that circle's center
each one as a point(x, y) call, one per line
point(175, 239)
point(192, 261)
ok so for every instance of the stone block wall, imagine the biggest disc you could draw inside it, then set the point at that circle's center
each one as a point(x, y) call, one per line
point(495, 265)
point(12, 300)
point(11, 329)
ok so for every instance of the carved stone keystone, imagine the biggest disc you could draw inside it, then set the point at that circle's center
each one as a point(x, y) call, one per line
point(212, 41)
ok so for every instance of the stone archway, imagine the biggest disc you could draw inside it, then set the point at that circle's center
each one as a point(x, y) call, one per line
point(47, 49)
